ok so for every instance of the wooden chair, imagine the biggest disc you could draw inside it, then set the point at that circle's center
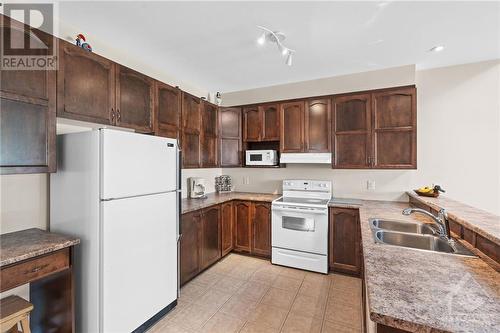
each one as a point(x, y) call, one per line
point(14, 310)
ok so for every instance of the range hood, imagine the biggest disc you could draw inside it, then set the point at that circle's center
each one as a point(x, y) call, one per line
point(306, 158)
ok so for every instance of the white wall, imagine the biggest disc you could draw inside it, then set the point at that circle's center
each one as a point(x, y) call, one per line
point(396, 76)
point(458, 136)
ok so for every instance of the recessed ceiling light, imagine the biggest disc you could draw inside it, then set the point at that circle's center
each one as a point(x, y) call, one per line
point(438, 48)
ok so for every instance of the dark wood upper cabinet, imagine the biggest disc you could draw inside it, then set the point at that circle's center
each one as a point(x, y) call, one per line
point(261, 123)
point(227, 227)
point(261, 229)
point(168, 110)
point(270, 122)
point(242, 225)
point(317, 126)
point(27, 111)
point(209, 138)
point(230, 137)
point(292, 127)
point(190, 250)
point(344, 241)
point(134, 100)
point(395, 128)
point(352, 131)
point(191, 131)
point(252, 124)
point(210, 244)
point(85, 85)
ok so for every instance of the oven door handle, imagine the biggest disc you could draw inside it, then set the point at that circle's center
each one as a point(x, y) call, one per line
point(302, 211)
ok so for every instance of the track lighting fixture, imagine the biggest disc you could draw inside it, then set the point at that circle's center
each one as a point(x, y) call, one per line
point(277, 38)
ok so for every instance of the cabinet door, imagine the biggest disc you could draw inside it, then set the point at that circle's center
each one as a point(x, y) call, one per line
point(190, 150)
point(190, 250)
point(242, 223)
point(317, 126)
point(134, 100)
point(210, 244)
point(227, 225)
point(85, 86)
point(345, 237)
point(352, 131)
point(191, 113)
point(209, 135)
point(191, 131)
point(395, 129)
point(252, 124)
point(292, 127)
point(261, 229)
point(271, 120)
point(230, 142)
point(168, 111)
point(27, 111)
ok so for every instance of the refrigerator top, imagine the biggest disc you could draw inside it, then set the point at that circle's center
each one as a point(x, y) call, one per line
point(133, 164)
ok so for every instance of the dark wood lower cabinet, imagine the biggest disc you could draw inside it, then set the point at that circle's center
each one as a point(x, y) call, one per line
point(261, 229)
point(200, 244)
point(211, 233)
point(242, 225)
point(227, 227)
point(345, 241)
point(190, 260)
point(253, 228)
point(210, 244)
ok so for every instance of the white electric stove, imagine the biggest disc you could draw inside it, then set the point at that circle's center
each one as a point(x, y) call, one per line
point(300, 225)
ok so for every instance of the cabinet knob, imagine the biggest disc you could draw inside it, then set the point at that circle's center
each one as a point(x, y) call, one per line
point(118, 115)
point(112, 115)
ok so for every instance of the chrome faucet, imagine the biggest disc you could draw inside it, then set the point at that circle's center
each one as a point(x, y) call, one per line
point(441, 220)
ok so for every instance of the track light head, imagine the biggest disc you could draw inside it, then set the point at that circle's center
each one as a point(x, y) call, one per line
point(289, 59)
point(277, 38)
point(262, 39)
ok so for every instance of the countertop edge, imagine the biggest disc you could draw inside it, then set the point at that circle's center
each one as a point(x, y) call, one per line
point(38, 253)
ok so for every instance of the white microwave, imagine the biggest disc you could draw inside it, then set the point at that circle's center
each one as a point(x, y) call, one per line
point(261, 157)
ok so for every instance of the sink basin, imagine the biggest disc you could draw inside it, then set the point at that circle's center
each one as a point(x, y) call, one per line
point(423, 242)
point(419, 241)
point(402, 226)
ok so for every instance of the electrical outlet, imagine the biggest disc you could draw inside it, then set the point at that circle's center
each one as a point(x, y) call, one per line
point(246, 180)
point(370, 185)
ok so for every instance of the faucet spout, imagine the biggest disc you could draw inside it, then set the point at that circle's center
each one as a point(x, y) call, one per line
point(441, 220)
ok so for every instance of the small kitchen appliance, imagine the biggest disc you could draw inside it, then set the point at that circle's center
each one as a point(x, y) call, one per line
point(197, 187)
point(223, 184)
point(261, 157)
point(300, 225)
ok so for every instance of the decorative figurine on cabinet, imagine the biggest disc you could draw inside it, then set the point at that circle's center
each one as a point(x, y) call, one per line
point(86, 46)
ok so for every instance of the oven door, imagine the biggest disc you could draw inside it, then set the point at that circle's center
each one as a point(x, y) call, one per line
point(300, 228)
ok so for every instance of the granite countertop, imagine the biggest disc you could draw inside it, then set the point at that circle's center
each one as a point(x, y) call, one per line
point(189, 205)
point(29, 243)
point(480, 221)
point(422, 291)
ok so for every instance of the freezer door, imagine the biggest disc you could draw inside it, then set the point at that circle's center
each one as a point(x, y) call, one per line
point(138, 259)
point(136, 164)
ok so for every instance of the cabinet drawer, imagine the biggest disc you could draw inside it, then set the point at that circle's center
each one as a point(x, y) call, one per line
point(33, 269)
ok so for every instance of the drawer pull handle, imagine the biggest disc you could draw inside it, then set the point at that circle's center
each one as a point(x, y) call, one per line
point(38, 268)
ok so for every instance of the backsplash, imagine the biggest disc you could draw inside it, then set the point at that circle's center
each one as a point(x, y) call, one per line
point(208, 174)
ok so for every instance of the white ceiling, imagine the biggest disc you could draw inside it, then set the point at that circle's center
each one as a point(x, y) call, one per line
point(213, 44)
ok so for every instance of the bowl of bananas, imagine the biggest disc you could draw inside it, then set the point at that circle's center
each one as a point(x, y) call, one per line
point(430, 191)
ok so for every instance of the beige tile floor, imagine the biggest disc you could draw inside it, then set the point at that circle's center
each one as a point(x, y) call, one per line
point(244, 294)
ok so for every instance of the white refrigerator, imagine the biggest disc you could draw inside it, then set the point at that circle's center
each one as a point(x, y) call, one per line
point(119, 192)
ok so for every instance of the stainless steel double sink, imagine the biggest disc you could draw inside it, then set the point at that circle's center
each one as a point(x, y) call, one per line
point(414, 235)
